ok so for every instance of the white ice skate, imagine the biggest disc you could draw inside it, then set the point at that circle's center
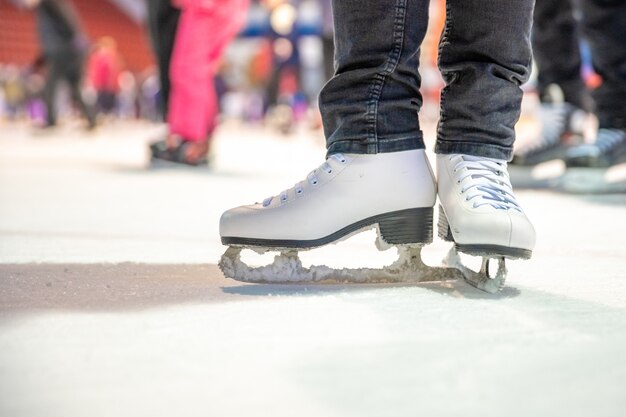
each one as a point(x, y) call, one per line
point(392, 192)
point(481, 215)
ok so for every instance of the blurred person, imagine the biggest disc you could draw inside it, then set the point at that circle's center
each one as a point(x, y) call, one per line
point(103, 70)
point(148, 95)
point(163, 19)
point(204, 30)
point(63, 45)
point(284, 84)
point(35, 105)
point(13, 90)
point(377, 172)
point(35, 83)
point(127, 97)
point(285, 68)
point(258, 72)
point(565, 98)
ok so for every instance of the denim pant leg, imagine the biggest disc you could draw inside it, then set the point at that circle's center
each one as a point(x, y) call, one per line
point(484, 57)
point(604, 26)
point(556, 47)
point(371, 103)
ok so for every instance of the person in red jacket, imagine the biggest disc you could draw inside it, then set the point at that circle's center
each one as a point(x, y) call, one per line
point(103, 71)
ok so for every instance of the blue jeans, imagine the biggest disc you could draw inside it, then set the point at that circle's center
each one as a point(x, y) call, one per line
point(372, 102)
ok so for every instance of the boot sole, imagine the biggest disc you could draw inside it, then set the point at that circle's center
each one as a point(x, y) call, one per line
point(445, 233)
point(403, 227)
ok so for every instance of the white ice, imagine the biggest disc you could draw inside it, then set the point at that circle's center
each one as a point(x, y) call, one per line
point(111, 303)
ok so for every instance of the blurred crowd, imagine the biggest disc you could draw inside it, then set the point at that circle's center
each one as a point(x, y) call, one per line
point(265, 61)
point(272, 71)
point(107, 86)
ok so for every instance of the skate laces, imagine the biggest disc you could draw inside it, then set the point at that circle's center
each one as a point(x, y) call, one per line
point(312, 178)
point(490, 183)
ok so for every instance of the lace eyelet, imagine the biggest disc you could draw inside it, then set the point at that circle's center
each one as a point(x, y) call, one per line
point(299, 191)
point(314, 183)
point(343, 161)
point(330, 171)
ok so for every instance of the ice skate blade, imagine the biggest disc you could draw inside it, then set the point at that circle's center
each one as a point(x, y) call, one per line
point(494, 251)
point(481, 279)
point(287, 269)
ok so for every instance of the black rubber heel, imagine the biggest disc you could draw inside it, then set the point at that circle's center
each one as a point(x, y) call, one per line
point(443, 227)
point(407, 226)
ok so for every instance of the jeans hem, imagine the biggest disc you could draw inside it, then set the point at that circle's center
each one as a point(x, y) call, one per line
point(473, 148)
point(383, 146)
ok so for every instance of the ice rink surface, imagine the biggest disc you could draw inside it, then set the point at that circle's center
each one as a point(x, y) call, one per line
point(111, 303)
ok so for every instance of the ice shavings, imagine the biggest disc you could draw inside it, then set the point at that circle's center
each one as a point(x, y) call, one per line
point(287, 268)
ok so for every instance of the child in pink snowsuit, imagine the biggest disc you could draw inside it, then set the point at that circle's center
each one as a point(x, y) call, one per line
point(204, 30)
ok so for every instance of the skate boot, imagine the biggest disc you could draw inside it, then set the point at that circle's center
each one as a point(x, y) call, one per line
point(480, 214)
point(175, 149)
point(597, 168)
point(349, 193)
point(562, 126)
point(608, 149)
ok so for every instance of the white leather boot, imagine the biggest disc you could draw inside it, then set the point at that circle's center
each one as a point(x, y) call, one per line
point(479, 211)
point(347, 193)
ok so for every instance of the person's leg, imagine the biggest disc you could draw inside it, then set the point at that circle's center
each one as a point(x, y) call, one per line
point(484, 57)
point(162, 24)
point(377, 172)
point(73, 74)
point(604, 26)
point(203, 34)
point(201, 39)
point(556, 48)
point(192, 97)
point(49, 92)
point(371, 103)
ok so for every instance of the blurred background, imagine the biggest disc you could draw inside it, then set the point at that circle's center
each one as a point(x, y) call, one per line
point(269, 75)
point(272, 71)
